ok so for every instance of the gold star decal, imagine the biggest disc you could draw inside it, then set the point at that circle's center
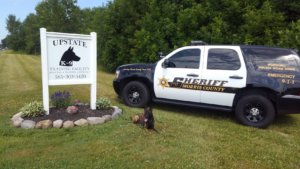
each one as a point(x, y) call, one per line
point(163, 82)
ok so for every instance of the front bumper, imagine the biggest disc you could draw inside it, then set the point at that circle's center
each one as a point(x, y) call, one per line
point(117, 87)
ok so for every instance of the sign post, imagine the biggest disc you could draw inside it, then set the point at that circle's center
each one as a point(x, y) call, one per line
point(68, 59)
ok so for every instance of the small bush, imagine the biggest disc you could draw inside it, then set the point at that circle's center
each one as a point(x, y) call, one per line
point(103, 103)
point(61, 99)
point(33, 109)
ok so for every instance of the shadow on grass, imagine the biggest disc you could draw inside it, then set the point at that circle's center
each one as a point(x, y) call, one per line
point(196, 112)
point(285, 120)
point(280, 120)
point(189, 111)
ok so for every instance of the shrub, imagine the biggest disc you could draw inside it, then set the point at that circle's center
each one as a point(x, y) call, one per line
point(33, 109)
point(103, 103)
point(61, 99)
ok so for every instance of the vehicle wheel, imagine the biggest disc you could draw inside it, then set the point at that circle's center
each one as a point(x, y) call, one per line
point(136, 94)
point(255, 110)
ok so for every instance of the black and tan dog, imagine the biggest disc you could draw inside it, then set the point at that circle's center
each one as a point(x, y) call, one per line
point(145, 119)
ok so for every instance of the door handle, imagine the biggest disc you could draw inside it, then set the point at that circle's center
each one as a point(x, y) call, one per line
point(192, 75)
point(235, 77)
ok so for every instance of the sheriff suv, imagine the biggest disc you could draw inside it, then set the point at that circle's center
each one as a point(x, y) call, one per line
point(256, 82)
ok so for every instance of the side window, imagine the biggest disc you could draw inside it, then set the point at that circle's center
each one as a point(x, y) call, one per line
point(272, 59)
point(223, 59)
point(188, 58)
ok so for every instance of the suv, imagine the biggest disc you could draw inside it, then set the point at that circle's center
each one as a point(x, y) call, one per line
point(256, 82)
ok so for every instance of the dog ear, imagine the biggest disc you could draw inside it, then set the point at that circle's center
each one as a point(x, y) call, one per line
point(148, 110)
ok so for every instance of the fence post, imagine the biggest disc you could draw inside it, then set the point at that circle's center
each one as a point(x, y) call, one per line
point(44, 69)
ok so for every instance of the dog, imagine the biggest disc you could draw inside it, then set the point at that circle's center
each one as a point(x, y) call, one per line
point(145, 119)
point(68, 57)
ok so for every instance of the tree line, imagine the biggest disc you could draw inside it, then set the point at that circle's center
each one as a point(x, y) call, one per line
point(130, 31)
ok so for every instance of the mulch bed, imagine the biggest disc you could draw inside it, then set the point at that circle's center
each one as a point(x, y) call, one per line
point(83, 112)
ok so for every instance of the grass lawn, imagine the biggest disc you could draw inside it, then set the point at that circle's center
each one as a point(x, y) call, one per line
point(187, 138)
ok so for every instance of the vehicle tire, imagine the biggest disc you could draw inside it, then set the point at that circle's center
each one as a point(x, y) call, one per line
point(255, 110)
point(136, 94)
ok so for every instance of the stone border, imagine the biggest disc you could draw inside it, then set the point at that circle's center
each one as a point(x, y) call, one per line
point(18, 121)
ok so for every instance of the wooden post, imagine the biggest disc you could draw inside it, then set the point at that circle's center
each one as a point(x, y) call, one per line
point(44, 69)
point(93, 70)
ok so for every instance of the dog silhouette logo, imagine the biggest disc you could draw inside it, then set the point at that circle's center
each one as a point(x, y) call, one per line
point(68, 57)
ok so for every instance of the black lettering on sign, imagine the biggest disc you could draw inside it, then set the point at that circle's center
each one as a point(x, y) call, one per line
point(73, 42)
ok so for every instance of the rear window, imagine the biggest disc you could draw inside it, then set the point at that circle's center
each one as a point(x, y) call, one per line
point(272, 59)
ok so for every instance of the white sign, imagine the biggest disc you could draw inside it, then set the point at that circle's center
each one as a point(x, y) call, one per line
point(68, 59)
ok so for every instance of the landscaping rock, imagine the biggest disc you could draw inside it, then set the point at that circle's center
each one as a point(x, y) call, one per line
point(115, 116)
point(81, 122)
point(28, 124)
point(66, 120)
point(17, 121)
point(68, 124)
point(72, 109)
point(107, 118)
point(57, 123)
point(95, 120)
point(44, 124)
point(117, 112)
point(17, 116)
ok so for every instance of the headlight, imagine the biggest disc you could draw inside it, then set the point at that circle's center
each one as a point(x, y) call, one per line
point(117, 73)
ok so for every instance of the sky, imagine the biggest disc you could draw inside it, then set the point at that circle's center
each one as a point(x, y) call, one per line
point(22, 8)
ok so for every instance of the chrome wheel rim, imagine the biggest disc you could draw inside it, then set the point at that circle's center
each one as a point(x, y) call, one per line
point(254, 112)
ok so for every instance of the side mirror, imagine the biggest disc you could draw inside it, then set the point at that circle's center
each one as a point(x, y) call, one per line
point(165, 63)
point(161, 54)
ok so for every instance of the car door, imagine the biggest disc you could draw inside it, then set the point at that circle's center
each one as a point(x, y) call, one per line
point(173, 72)
point(224, 66)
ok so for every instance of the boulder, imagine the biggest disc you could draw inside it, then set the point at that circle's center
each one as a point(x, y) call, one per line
point(107, 118)
point(115, 116)
point(57, 123)
point(81, 122)
point(44, 124)
point(28, 124)
point(17, 121)
point(95, 120)
point(72, 109)
point(16, 116)
point(68, 124)
point(117, 112)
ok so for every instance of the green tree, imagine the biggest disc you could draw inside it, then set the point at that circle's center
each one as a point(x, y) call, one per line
point(261, 25)
point(290, 36)
point(290, 8)
point(15, 38)
point(59, 15)
point(135, 30)
point(3, 43)
point(120, 22)
point(87, 20)
point(32, 35)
